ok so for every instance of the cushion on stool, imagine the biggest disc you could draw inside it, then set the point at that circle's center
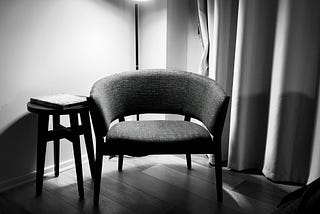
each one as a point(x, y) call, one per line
point(158, 136)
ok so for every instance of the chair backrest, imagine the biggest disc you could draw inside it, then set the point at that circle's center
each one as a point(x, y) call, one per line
point(159, 91)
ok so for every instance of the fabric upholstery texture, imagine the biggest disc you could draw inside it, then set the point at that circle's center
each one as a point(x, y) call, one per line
point(158, 91)
point(155, 136)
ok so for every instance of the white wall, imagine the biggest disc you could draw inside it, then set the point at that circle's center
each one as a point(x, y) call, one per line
point(50, 47)
point(177, 34)
point(64, 46)
point(152, 34)
point(168, 35)
point(194, 45)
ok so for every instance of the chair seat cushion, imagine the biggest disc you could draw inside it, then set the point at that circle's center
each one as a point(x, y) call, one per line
point(157, 137)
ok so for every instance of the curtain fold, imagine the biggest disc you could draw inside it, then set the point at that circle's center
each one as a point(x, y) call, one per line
point(294, 91)
point(204, 33)
point(217, 23)
point(251, 83)
point(266, 55)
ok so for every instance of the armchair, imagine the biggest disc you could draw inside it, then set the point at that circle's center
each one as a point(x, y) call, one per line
point(157, 91)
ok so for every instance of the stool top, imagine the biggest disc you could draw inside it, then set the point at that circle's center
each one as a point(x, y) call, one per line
point(40, 109)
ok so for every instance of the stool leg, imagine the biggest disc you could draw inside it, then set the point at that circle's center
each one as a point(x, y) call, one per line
point(41, 151)
point(88, 140)
point(77, 152)
point(56, 145)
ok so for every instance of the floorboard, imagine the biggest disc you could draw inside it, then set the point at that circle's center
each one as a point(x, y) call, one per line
point(150, 184)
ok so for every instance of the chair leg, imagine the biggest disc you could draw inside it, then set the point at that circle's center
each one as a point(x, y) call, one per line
point(56, 146)
point(97, 180)
point(41, 151)
point(218, 168)
point(188, 157)
point(77, 153)
point(120, 163)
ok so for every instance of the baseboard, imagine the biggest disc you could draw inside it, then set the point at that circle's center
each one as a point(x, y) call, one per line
point(49, 170)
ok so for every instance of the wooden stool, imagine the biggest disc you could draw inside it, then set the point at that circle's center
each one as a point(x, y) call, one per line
point(71, 133)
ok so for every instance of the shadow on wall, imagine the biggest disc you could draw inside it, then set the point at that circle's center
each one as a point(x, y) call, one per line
point(18, 147)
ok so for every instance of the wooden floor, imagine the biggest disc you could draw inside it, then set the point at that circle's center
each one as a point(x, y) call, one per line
point(151, 184)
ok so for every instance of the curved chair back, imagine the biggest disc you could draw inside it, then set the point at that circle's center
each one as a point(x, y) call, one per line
point(159, 91)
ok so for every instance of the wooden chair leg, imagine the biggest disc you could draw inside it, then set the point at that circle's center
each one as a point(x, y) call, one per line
point(120, 160)
point(77, 153)
point(97, 180)
point(188, 157)
point(88, 140)
point(41, 151)
point(218, 168)
point(120, 163)
point(56, 146)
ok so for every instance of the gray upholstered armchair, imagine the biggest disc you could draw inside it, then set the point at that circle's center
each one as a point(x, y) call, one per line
point(157, 91)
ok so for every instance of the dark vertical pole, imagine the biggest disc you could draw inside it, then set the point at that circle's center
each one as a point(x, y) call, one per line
point(136, 24)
